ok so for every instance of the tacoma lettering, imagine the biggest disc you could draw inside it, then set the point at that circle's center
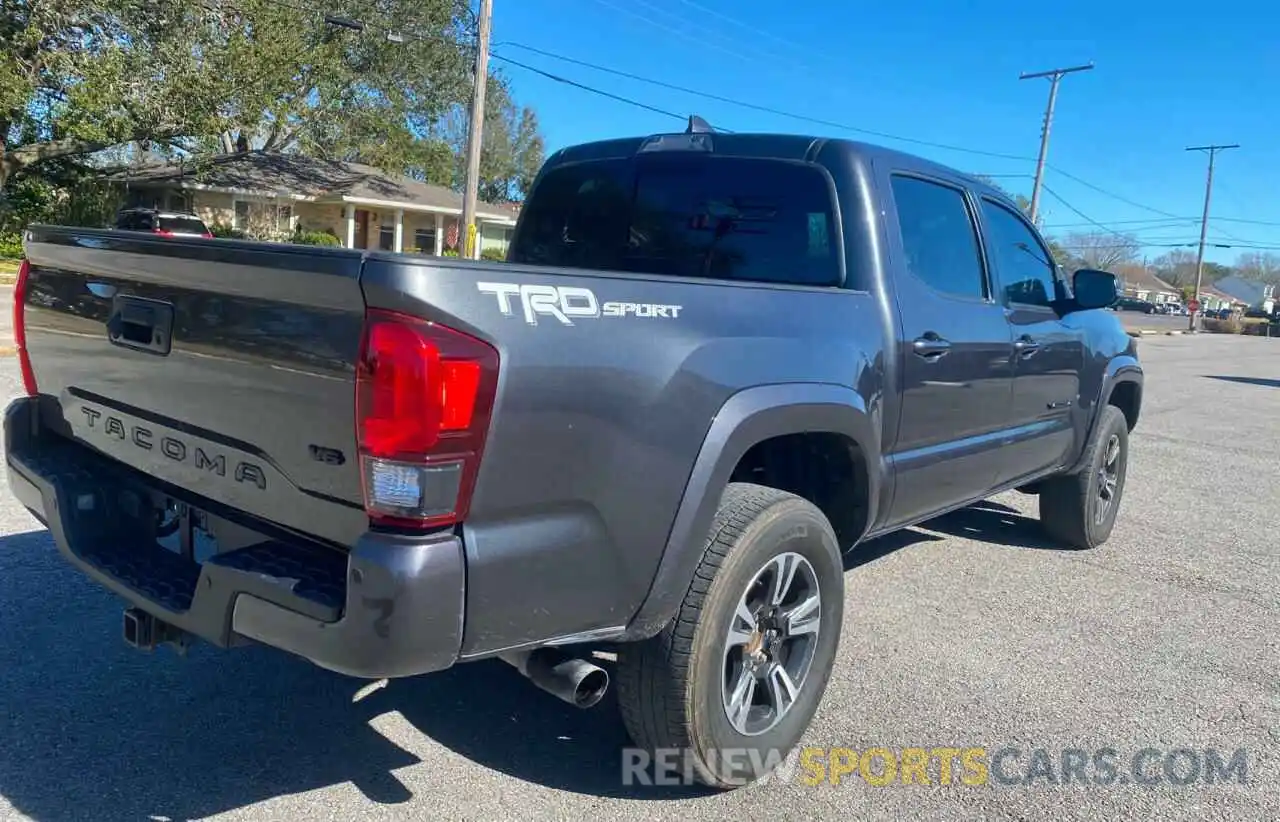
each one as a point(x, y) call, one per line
point(173, 448)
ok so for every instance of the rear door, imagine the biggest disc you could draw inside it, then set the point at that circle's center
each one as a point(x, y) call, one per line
point(1048, 348)
point(955, 355)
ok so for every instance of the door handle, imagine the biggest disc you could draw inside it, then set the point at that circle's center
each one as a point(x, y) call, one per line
point(931, 347)
point(1026, 346)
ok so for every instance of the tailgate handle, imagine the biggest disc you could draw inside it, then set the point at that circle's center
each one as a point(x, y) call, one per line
point(141, 324)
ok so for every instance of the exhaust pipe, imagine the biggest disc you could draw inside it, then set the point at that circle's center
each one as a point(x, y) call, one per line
point(574, 680)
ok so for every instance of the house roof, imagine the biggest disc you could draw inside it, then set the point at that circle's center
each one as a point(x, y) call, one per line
point(310, 178)
point(1210, 291)
point(1140, 278)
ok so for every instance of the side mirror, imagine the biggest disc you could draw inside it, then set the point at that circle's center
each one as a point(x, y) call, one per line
point(1095, 289)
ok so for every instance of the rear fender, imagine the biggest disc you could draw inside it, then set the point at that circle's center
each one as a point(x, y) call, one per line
point(748, 417)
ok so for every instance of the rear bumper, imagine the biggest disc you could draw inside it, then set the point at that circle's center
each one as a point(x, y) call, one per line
point(392, 606)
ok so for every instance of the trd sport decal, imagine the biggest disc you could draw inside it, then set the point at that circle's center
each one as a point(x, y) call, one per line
point(567, 303)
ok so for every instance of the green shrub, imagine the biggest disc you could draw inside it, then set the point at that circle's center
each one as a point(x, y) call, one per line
point(1231, 325)
point(315, 238)
point(449, 252)
point(493, 255)
point(226, 232)
point(1256, 326)
point(11, 246)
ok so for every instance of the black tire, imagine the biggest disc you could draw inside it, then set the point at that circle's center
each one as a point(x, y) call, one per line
point(1071, 505)
point(671, 688)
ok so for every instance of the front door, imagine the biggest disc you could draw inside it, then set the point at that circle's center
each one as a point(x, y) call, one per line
point(955, 356)
point(362, 228)
point(1048, 348)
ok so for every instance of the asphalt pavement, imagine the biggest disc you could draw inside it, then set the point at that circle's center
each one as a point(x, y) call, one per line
point(1159, 322)
point(970, 631)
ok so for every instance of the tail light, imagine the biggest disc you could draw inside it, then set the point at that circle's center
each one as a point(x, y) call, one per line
point(424, 396)
point(20, 328)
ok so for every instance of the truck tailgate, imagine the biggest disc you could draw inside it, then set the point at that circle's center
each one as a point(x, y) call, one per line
point(221, 367)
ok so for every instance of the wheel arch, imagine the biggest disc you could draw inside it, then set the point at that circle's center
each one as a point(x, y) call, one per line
point(748, 419)
point(1122, 385)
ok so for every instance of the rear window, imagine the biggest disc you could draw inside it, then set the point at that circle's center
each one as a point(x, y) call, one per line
point(724, 218)
point(182, 225)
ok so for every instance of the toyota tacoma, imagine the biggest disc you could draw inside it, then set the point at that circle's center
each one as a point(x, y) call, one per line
point(711, 365)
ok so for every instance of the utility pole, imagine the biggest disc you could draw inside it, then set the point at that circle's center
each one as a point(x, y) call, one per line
point(475, 129)
point(1212, 151)
point(1055, 76)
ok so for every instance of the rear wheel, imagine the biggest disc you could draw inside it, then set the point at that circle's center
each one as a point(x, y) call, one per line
point(1080, 509)
point(734, 680)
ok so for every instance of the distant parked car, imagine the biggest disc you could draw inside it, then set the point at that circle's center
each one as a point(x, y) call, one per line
point(166, 223)
point(1134, 304)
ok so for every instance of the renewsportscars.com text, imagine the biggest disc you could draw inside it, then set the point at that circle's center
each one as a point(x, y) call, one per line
point(1005, 766)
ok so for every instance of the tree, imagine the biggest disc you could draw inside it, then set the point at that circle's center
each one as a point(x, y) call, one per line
point(1103, 250)
point(80, 76)
point(1019, 200)
point(511, 149)
point(77, 76)
point(1177, 267)
point(290, 81)
point(1260, 266)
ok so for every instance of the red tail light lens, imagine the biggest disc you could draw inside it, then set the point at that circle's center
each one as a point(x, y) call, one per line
point(20, 328)
point(424, 395)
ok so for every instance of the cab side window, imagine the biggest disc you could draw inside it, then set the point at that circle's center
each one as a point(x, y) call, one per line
point(1025, 269)
point(938, 237)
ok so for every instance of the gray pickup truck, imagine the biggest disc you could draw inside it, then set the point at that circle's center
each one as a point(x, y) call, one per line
point(711, 365)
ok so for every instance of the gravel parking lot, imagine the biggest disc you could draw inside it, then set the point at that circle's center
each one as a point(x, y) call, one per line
point(971, 631)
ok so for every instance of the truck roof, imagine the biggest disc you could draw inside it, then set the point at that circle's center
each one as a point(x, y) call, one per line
point(766, 145)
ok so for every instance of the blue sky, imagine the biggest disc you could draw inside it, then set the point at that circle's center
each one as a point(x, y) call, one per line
point(1167, 76)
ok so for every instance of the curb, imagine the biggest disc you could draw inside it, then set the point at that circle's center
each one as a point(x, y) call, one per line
point(1153, 332)
point(8, 279)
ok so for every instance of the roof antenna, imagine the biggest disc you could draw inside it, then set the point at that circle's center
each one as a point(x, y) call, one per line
point(697, 125)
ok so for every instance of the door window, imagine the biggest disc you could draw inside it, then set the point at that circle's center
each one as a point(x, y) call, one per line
point(938, 236)
point(1026, 270)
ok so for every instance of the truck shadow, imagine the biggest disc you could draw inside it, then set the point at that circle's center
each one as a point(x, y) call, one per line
point(1262, 381)
point(995, 523)
point(95, 730)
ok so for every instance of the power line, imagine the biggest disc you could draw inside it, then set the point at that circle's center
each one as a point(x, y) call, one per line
point(701, 41)
point(585, 87)
point(1112, 194)
point(746, 26)
point(1082, 215)
point(761, 108)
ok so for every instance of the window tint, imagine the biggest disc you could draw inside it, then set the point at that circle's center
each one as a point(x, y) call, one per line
point(725, 218)
point(938, 236)
point(1025, 269)
point(182, 225)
